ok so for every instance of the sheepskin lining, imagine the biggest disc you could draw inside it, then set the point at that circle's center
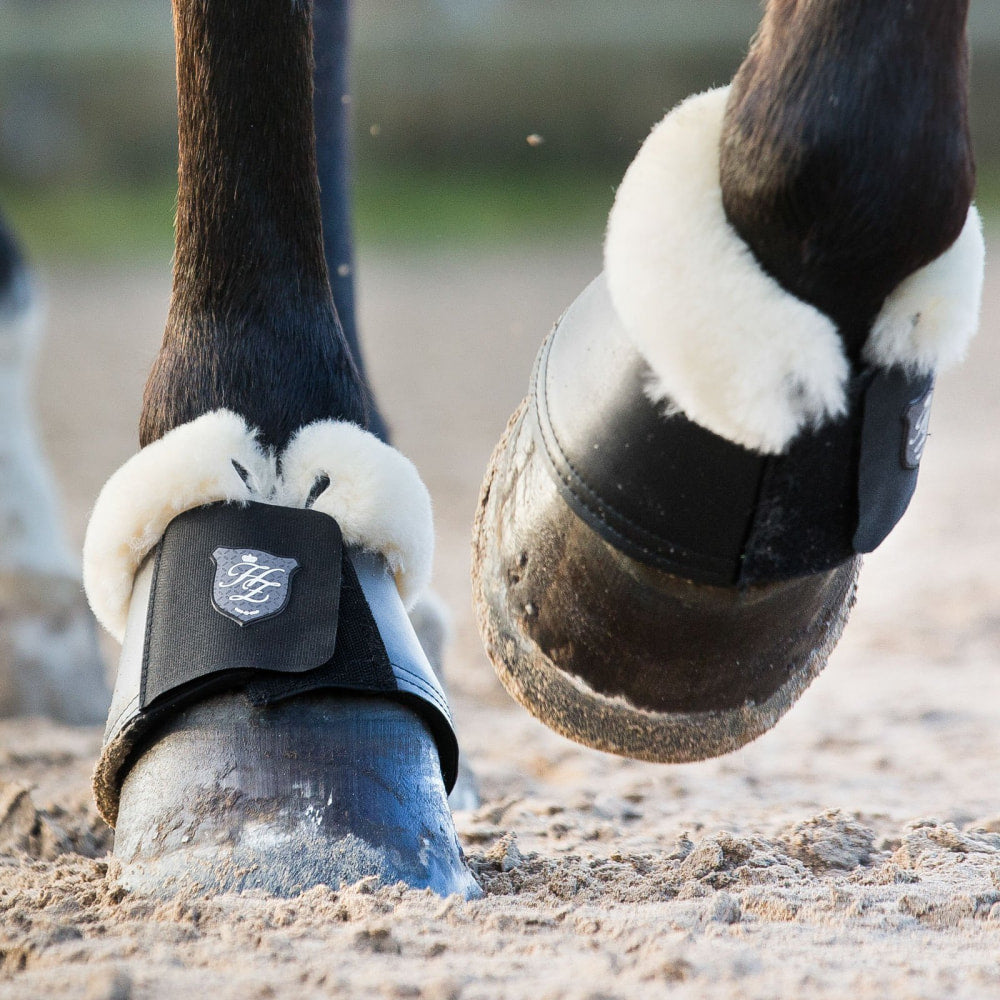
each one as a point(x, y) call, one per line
point(727, 345)
point(374, 493)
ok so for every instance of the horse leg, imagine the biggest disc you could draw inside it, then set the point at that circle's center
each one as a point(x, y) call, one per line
point(331, 103)
point(49, 660)
point(275, 723)
point(670, 531)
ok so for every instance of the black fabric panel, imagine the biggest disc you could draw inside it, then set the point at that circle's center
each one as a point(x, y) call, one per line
point(324, 639)
point(359, 661)
point(673, 495)
point(189, 639)
point(807, 509)
point(897, 408)
point(360, 665)
point(840, 490)
point(660, 488)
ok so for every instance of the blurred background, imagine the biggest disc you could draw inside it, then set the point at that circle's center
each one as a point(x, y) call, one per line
point(489, 136)
point(446, 94)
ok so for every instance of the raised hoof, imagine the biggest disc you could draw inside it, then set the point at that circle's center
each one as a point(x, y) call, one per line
point(624, 657)
point(50, 663)
point(312, 790)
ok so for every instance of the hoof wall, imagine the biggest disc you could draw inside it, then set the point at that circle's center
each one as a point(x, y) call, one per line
point(330, 790)
point(624, 657)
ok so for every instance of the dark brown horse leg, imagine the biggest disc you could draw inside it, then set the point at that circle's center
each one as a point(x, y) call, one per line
point(275, 723)
point(670, 531)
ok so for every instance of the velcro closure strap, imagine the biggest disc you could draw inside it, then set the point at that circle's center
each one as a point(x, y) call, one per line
point(241, 588)
point(893, 435)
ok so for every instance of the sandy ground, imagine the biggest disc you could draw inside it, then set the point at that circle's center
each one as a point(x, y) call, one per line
point(852, 852)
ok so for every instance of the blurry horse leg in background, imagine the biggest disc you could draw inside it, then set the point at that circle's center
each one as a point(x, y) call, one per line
point(331, 104)
point(49, 659)
point(670, 531)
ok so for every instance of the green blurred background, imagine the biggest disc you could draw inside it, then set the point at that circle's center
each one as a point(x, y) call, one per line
point(446, 94)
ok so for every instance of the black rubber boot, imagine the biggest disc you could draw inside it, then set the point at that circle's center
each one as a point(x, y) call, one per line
point(584, 620)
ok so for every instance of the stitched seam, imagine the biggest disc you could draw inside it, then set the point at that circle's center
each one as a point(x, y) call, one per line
point(422, 686)
point(418, 682)
point(149, 620)
point(134, 703)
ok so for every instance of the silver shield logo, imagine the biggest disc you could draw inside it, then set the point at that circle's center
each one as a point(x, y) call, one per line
point(251, 585)
point(916, 422)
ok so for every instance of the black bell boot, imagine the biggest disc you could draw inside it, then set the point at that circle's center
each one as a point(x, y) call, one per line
point(275, 723)
point(669, 534)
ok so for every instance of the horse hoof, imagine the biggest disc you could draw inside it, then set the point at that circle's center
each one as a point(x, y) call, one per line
point(275, 723)
point(50, 663)
point(226, 769)
point(591, 629)
point(321, 790)
point(621, 656)
point(669, 535)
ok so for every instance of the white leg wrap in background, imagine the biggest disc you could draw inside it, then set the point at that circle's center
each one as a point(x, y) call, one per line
point(49, 660)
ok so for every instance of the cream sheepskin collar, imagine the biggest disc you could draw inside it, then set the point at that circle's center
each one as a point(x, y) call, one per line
point(374, 493)
point(726, 343)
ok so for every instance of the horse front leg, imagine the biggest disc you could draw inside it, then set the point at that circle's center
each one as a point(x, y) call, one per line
point(275, 723)
point(669, 534)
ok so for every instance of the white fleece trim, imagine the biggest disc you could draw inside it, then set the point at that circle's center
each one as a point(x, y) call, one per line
point(928, 321)
point(189, 466)
point(726, 343)
point(375, 494)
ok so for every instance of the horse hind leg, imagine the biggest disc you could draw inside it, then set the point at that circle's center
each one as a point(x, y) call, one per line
point(50, 663)
point(331, 105)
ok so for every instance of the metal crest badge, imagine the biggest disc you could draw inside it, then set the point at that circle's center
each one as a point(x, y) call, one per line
point(251, 585)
